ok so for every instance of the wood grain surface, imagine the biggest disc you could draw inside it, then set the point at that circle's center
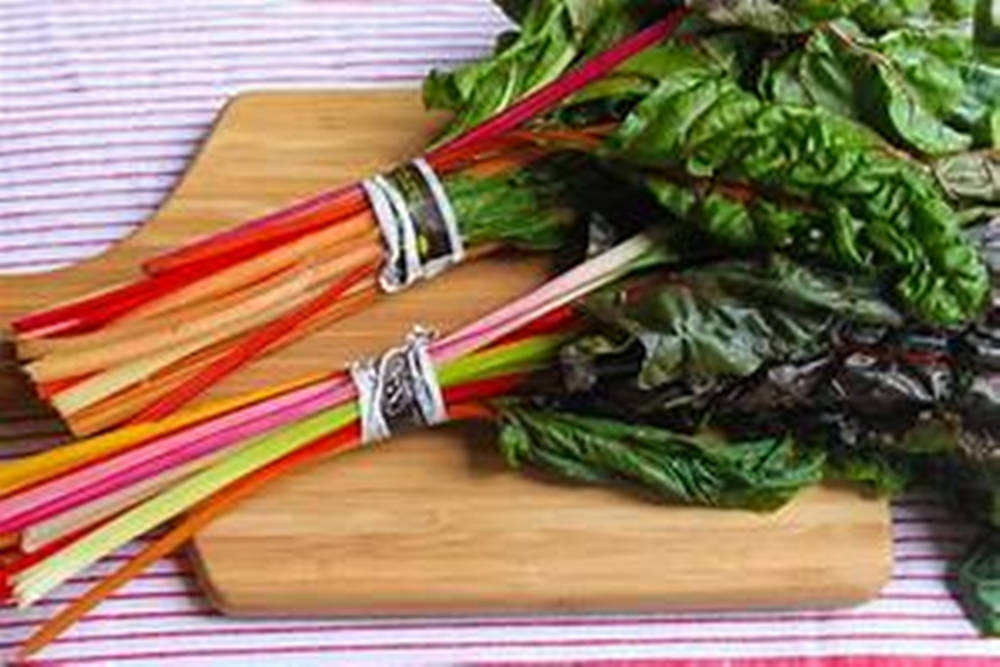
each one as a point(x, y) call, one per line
point(434, 522)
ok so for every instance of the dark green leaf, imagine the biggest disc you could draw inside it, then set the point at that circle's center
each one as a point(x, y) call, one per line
point(774, 16)
point(729, 319)
point(755, 474)
point(979, 583)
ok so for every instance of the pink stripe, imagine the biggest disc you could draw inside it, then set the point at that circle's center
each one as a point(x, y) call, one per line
point(238, 60)
point(898, 660)
point(145, 576)
point(41, 196)
point(236, 73)
point(151, 595)
point(157, 143)
point(513, 644)
point(117, 102)
point(96, 162)
point(300, 31)
point(927, 558)
point(76, 210)
point(334, 626)
point(36, 263)
point(583, 622)
point(41, 229)
point(929, 519)
point(108, 115)
point(240, 79)
point(91, 131)
point(933, 539)
point(475, 9)
point(79, 44)
point(117, 176)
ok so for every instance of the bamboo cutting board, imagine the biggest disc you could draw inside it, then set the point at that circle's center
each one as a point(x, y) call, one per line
point(433, 522)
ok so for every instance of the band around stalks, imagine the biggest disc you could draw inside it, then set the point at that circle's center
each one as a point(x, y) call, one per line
point(398, 390)
point(418, 225)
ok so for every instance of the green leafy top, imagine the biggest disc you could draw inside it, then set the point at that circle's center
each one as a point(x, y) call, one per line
point(752, 173)
point(552, 35)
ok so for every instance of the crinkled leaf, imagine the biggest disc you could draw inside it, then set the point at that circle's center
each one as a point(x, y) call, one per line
point(773, 16)
point(730, 319)
point(766, 174)
point(755, 474)
point(878, 16)
point(907, 84)
point(971, 176)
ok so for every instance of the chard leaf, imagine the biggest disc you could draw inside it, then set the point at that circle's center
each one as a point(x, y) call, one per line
point(978, 112)
point(979, 583)
point(773, 16)
point(755, 474)
point(752, 174)
point(970, 176)
point(730, 319)
point(987, 28)
point(878, 16)
point(553, 35)
point(953, 10)
point(901, 113)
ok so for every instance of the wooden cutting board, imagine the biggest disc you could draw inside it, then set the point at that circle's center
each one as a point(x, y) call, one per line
point(434, 522)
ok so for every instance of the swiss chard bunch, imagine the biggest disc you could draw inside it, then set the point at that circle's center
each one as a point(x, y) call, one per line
point(786, 126)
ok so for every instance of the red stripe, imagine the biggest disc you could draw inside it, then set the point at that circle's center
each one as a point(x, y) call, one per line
point(334, 626)
point(988, 648)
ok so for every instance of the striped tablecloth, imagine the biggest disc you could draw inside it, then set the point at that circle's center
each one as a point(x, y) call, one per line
point(102, 104)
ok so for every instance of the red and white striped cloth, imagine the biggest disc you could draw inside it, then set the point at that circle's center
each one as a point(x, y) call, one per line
point(102, 104)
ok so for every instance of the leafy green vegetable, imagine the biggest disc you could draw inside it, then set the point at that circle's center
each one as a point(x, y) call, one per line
point(970, 176)
point(553, 34)
point(979, 583)
point(774, 16)
point(755, 174)
point(543, 205)
point(907, 84)
point(756, 474)
point(729, 319)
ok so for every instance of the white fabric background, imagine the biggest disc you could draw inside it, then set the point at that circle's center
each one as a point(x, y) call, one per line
point(102, 104)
